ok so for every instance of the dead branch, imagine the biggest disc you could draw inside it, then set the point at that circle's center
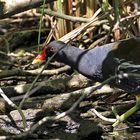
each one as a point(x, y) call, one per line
point(10, 8)
point(50, 72)
point(66, 17)
point(50, 86)
point(19, 72)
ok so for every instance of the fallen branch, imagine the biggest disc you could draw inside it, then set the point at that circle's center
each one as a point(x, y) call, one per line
point(50, 72)
point(66, 17)
point(50, 86)
point(19, 72)
point(13, 7)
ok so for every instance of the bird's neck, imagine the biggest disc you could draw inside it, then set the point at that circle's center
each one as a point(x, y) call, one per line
point(69, 55)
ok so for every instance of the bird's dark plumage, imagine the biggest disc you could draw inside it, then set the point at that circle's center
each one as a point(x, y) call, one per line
point(102, 61)
point(87, 62)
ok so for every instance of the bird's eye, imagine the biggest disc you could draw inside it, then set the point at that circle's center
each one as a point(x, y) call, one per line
point(52, 49)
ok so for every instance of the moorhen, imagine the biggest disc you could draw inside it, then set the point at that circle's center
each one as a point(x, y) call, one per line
point(102, 62)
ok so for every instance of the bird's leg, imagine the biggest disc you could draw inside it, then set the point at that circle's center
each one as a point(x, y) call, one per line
point(129, 112)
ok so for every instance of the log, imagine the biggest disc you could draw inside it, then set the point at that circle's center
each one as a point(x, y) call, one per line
point(50, 86)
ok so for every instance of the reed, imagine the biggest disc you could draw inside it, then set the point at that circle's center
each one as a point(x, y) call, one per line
point(90, 7)
point(61, 23)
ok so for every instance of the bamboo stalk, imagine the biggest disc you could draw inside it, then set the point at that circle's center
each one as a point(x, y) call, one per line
point(61, 24)
point(90, 8)
point(77, 5)
point(67, 8)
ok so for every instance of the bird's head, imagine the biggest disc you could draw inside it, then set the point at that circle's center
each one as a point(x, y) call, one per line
point(48, 51)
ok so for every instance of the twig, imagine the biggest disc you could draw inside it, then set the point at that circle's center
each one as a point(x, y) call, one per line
point(15, 106)
point(125, 18)
point(24, 6)
point(66, 17)
point(19, 72)
point(97, 42)
point(111, 120)
point(50, 72)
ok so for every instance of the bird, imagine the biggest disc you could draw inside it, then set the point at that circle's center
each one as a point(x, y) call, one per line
point(100, 63)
